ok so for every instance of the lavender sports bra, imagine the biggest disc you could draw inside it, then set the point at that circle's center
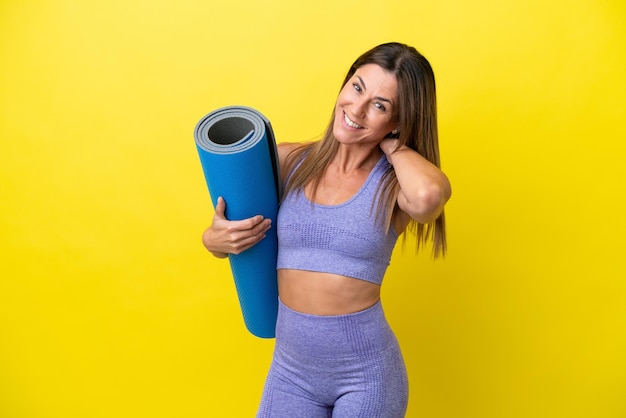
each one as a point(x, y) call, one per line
point(343, 239)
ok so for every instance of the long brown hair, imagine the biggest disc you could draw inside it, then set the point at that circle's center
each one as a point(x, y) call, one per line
point(417, 116)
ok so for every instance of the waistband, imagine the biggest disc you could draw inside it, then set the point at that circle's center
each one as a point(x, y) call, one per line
point(334, 336)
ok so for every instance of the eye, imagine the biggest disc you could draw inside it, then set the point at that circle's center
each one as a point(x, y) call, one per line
point(357, 87)
point(380, 106)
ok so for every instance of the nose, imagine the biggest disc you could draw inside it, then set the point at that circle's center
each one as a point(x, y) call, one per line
point(359, 107)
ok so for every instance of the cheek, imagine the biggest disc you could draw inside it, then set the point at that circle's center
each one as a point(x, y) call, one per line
point(386, 124)
point(344, 96)
point(338, 110)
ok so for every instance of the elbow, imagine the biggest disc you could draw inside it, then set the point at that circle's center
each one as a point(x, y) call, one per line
point(429, 202)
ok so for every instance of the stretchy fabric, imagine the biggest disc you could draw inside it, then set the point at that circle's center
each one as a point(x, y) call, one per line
point(346, 366)
point(344, 239)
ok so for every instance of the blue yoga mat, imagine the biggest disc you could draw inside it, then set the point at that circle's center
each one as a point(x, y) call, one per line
point(237, 151)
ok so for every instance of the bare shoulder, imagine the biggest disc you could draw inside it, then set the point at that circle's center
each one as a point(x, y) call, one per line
point(284, 149)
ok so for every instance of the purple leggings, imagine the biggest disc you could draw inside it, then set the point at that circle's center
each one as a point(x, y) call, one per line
point(346, 366)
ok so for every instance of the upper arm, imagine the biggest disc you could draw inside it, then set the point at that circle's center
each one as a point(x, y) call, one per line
point(284, 149)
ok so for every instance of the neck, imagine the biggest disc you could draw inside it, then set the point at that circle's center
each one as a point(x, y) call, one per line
point(353, 157)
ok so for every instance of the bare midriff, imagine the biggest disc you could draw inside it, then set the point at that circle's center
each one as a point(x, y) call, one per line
point(325, 293)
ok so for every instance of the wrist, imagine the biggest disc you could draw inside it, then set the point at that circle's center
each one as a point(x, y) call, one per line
point(393, 150)
point(389, 145)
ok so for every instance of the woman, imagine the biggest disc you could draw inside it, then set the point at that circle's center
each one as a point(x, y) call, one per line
point(374, 174)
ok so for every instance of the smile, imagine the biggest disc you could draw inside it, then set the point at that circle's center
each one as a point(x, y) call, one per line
point(350, 123)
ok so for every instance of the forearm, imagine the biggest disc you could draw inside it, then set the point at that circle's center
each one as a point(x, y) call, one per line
point(424, 188)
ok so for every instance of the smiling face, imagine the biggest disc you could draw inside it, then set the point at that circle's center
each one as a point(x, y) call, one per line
point(366, 109)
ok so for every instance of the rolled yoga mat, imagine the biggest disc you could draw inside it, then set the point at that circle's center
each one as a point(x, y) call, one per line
point(238, 155)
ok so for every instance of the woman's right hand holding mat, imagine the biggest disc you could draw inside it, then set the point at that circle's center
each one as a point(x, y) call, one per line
point(225, 237)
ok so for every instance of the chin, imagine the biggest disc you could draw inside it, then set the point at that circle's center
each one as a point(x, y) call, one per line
point(338, 129)
point(341, 135)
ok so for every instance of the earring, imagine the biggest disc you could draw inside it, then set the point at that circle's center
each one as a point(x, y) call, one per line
point(395, 131)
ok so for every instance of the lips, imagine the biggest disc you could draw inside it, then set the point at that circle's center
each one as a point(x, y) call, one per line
point(350, 122)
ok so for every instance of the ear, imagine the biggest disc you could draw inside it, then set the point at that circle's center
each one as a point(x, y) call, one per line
point(395, 134)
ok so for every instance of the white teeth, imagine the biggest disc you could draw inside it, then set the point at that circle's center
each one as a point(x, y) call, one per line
point(350, 123)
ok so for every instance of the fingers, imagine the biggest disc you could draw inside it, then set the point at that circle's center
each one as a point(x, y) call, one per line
point(243, 225)
point(220, 208)
point(251, 228)
point(248, 241)
point(234, 237)
point(239, 240)
point(223, 240)
point(250, 224)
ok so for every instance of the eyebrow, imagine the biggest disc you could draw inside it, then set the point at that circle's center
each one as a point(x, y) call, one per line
point(382, 99)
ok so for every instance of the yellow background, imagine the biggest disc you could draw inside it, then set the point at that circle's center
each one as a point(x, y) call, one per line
point(110, 306)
